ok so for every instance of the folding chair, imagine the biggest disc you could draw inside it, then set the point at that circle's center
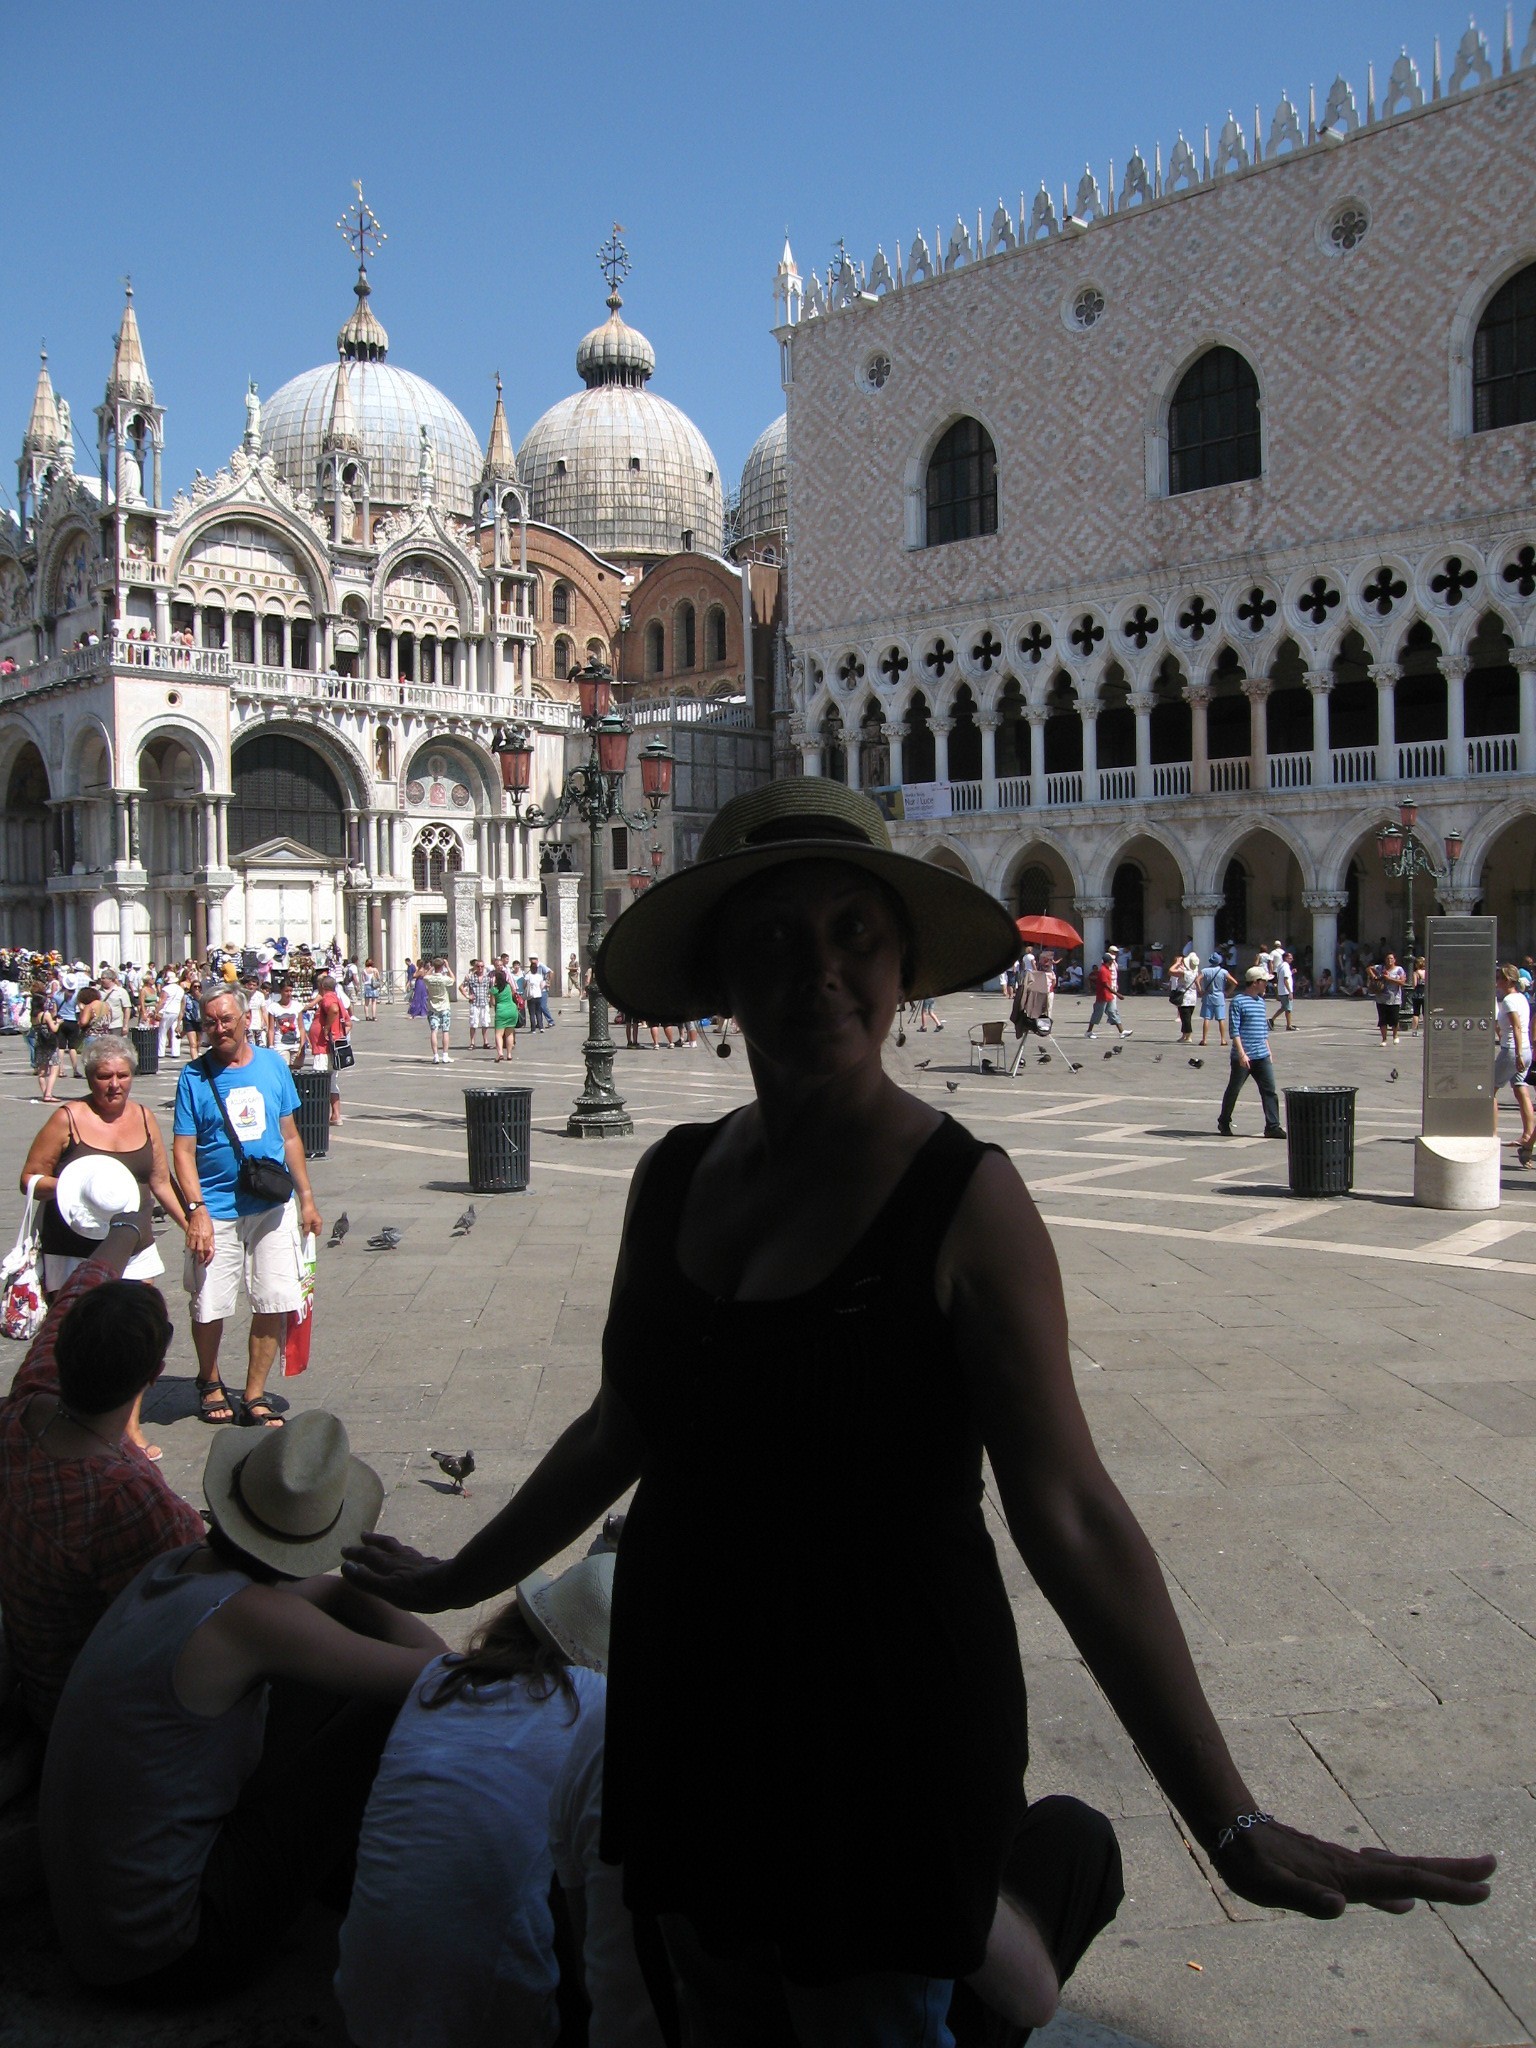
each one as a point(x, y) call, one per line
point(987, 1038)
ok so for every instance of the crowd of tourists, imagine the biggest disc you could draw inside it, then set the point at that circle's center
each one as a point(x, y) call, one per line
point(751, 1773)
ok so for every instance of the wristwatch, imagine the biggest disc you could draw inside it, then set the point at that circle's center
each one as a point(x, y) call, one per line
point(195, 1205)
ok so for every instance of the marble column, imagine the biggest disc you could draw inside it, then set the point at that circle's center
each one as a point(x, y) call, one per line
point(810, 751)
point(1088, 715)
point(216, 918)
point(1201, 912)
point(1456, 668)
point(941, 728)
point(893, 735)
point(1320, 689)
point(1092, 911)
point(1384, 676)
point(1198, 698)
point(1525, 675)
point(1141, 702)
point(199, 926)
point(1036, 717)
point(134, 853)
point(119, 832)
point(210, 833)
point(987, 723)
point(1325, 905)
point(1256, 689)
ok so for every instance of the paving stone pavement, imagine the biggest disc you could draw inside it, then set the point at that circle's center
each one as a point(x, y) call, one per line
point(1323, 1412)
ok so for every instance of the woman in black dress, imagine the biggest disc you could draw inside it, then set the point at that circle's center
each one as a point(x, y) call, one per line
point(825, 1307)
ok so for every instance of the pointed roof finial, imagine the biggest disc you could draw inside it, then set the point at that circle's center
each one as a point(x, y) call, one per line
point(342, 436)
point(42, 435)
point(130, 373)
point(362, 338)
point(613, 262)
point(500, 465)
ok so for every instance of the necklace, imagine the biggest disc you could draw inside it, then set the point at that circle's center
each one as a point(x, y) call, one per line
point(62, 1413)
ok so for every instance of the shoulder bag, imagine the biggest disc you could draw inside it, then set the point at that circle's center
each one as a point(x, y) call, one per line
point(267, 1181)
point(21, 1289)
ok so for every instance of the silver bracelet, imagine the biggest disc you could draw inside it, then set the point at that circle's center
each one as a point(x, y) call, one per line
point(1240, 1826)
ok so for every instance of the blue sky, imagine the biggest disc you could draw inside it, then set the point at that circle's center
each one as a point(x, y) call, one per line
point(208, 149)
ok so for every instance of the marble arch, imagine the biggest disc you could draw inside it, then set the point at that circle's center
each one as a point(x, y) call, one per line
point(1112, 851)
point(1212, 865)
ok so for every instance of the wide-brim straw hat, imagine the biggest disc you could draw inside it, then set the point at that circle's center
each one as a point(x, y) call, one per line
point(296, 1497)
point(574, 1612)
point(656, 962)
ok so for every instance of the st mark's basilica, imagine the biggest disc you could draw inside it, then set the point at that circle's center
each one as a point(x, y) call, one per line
point(264, 702)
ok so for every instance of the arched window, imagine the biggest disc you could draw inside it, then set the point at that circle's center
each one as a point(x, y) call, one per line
point(562, 658)
point(1032, 892)
point(687, 637)
point(1504, 356)
point(283, 790)
point(596, 651)
point(1128, 899)
point(655, 648)
point(1213, 423)
point(715, 636)
point(560, 604)
point(962, 485)
point(436, 855)
point(1232, 918)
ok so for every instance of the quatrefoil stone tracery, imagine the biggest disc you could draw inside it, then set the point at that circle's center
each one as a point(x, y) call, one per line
point(1318, 599)
point(1086, 634)
point(1033, 644)
point(1383, 590)
point(1255, 608)
point(1140, 626)
point(1196, 616)
point(851, 671)
point(940, 656)
point(893, 665)
point(1521, 572)
point(986, 650)
point(1453, 581)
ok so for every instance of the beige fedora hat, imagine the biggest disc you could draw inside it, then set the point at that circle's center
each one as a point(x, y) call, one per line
point(573, 1612)
point(655, 962)
point(296, 1496)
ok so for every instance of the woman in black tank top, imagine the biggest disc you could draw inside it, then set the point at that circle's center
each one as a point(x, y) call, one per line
point(827, 1306)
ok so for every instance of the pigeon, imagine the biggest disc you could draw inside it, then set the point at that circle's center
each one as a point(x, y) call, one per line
point(387, 1239)
point(340, 1228)
point(1157, 1059)
point(1115, 1051)
point(1110, 1054)
point(465, 1224)
point(457, 1469)
point(987, 1067)
point(1393, 1075)
point(951, 1086)
point(1197, 1063)
point(919, 1063)
point(1045, 1059)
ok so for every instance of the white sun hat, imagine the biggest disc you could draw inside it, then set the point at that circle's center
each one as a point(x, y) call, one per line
point(572, 1612)
point(92, 1190)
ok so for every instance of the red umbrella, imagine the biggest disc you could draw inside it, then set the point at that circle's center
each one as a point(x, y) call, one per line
point(1049, 931)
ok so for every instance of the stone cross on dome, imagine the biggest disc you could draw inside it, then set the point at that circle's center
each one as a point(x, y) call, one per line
point(613, 262)
point(359, 228)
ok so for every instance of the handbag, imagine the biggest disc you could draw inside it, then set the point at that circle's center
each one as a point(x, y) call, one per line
point(342, 1054)
point(267, 1181)
point(21, 1289)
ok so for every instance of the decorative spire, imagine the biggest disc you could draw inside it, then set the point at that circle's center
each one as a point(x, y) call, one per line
point(362, 339)
point(614, 353)
point(342, 435)
point(42, 435)
point(500, 465)
point(129, 380)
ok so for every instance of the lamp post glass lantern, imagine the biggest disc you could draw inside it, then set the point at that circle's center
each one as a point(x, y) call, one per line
point(594, 791)
point(1403, 859)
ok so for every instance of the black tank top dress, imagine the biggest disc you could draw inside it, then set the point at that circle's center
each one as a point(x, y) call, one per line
point(816, 1729)
point(56, 1235)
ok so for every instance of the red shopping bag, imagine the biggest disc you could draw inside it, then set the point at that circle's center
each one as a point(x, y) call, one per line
point(301, 1321)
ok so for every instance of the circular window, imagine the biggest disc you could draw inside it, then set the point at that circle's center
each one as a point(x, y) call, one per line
point(1087, 308)
point(1346, 227)
point(876, 370)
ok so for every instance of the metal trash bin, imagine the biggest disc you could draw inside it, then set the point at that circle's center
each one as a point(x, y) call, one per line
point(314, 1112)
point(146, 1043)
point(498, 1123)
point(1320, 1140)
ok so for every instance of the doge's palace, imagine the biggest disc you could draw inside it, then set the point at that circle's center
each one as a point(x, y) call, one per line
point(1154, 538)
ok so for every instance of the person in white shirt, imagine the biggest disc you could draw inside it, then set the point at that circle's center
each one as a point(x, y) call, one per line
point(1512, 1060)
point(172, 996)
point(255, 1009)
point(1282, 971)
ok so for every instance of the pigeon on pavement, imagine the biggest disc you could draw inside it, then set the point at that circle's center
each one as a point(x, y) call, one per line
point(1393, 1075)
point(340, 1228)
point(919, 1063)
point(1110, 1054)
point(458, 1468)
point(951, 1086)
point(1197, 1063)
point(466, 1222)
point(386, 1240)
point(1115, 1051)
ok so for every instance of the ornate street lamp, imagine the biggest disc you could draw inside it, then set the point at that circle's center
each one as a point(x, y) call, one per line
point(1404, 860)
point(595, 792)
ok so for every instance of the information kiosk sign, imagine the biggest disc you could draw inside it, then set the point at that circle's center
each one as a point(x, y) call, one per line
point(1460, 955)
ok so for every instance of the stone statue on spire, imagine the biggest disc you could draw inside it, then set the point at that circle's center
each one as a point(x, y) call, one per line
point(426, 474)
point(252, 442)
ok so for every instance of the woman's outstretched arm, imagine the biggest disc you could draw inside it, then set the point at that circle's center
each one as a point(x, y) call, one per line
point(582, 1474)
point(1000, 1285)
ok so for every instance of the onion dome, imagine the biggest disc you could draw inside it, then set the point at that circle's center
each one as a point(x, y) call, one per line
point(763, 506)
point(362, 338)
point(623, 471)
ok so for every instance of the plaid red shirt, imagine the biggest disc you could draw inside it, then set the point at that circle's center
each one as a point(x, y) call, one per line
point(73, 1531)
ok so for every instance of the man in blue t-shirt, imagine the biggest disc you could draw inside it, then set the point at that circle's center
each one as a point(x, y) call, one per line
point(1248, 1017)
point(235, 1240)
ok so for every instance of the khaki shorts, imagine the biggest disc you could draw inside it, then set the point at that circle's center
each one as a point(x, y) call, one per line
point(257, 1253)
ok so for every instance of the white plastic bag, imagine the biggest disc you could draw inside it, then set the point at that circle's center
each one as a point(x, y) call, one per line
point(22, 1308)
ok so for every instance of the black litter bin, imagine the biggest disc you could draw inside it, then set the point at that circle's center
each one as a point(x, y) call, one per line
point(1320, 1128)
point(498, 1122)
point(314, 1112)
point(146, 1043)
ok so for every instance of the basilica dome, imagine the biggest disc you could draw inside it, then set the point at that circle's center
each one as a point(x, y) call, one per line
point(618, 467)
point(763, 506)
point(383, 410)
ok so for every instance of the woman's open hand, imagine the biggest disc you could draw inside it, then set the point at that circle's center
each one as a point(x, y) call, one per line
point(393, 1571)
point(1274, 1865)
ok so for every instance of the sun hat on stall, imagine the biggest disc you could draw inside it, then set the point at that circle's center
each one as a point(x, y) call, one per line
point(573, 1612)
point(295, 1497)
point(656, 963)
point(92, 1190)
